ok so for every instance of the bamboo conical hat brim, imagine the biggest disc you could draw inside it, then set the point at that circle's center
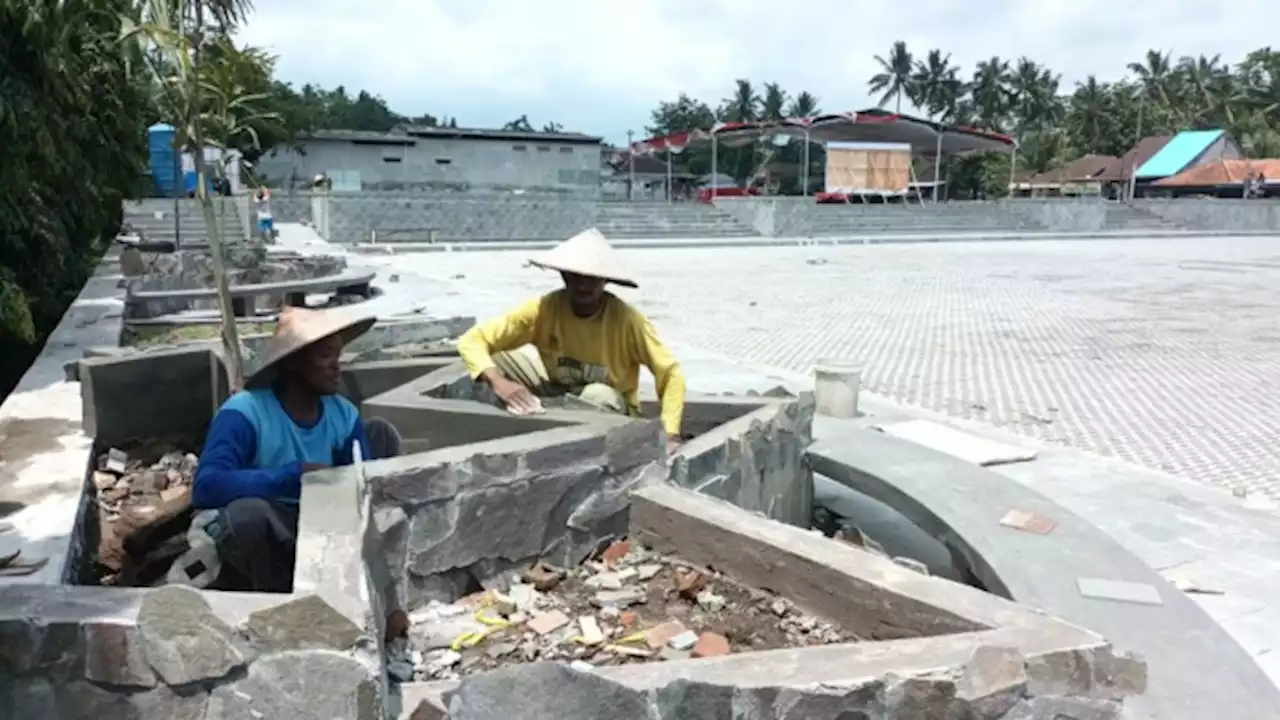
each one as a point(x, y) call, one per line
point(297, 328)
point(587, 253)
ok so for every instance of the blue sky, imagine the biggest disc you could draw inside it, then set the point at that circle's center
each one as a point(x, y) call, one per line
point(600, 66)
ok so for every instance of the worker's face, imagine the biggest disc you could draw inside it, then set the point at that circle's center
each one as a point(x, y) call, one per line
point(317, 366)
point(585, 293)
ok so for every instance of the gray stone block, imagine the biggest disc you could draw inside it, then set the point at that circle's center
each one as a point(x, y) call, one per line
point(149, 395)
point(307, 685)
point(182, 638)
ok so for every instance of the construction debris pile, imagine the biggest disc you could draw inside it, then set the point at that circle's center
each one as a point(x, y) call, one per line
point(627, 605)
point(138, 499)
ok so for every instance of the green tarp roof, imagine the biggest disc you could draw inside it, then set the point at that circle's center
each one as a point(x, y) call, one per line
point(1178, 153)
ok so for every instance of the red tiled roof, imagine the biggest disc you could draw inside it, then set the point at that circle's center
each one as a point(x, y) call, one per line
point(1223, 172)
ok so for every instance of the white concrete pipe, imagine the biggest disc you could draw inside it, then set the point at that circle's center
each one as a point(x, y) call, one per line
point(836, 384)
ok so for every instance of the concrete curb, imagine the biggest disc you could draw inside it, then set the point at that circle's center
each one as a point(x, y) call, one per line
point(678, 243)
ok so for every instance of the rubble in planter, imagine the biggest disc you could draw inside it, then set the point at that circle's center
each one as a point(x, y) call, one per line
point(143, 499)
point(628, 605)
point(408, 351)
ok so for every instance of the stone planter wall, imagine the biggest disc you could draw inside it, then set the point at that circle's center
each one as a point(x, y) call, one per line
point(470, 516)
point(177, 654)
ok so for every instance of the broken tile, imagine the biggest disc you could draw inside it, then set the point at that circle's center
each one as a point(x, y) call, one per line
point(648, 572)
point(626, 574)
point(1119, 591)
point(616, 551)
point(548, 622)
point(657, 636)
point(629, 651)
point(117, 461)
point(710, 645)
point(618, 598)
point(684, 641)
point(1028, 522)
point(591, 632)
point(627, 619)
point(604, 581)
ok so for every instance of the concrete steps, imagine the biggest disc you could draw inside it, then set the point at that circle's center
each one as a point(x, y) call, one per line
point(667, 220)
point(820, 220)
point(1127, 217)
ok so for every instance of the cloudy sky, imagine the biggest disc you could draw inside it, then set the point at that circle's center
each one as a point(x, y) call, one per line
point(600, 66)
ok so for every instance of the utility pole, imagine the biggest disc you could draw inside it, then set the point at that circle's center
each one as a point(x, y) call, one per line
point(631, 167)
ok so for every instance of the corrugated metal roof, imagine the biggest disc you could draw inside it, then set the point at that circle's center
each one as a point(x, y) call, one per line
point(480, 134)
point(1178, 153)
point(1223, 172)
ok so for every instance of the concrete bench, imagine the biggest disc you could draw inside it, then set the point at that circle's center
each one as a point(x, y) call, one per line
point(242, 296)
point(1196, 668)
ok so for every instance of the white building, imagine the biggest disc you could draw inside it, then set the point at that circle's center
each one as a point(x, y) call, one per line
point(434, 158)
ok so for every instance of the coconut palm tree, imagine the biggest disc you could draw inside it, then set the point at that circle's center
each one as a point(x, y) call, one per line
point(894, 79)
point(803, 105)
point(990, 93)
point(936, 84)
point(773, 106)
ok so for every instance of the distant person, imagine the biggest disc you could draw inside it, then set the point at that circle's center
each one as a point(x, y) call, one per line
point(290, 420)
point(580, 340)
point(266, 223)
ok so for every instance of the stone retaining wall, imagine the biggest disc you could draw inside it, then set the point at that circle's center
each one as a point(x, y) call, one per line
point(1217, 214)
point(178, 654)
point(473, 516)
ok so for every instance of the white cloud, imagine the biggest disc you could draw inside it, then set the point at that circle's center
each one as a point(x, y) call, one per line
point(600, 65)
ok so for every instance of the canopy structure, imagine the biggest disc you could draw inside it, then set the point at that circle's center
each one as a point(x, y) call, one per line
point(873, 126)
point(879, 126)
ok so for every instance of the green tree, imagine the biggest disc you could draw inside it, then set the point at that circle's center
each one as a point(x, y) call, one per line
point(894, 79)
point(73, 112)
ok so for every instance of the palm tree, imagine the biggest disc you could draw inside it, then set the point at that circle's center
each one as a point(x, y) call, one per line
point(990, 93)
point(1087, 118)
point(803, 105)
point(936, 84)
point(774, 104)
point(743, 105)
point(894, 79)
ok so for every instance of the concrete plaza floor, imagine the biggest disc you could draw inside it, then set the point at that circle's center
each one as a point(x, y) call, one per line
point(1162, 352)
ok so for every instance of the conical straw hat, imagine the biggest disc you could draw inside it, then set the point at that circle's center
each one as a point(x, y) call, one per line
point(298, 327)
point(586, 253)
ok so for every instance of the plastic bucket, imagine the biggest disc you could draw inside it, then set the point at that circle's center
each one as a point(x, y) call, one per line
point(836, 384)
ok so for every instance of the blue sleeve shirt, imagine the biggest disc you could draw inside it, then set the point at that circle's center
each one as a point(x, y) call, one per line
point(254, 448)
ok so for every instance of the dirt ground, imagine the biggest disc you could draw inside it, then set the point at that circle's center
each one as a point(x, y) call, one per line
point(630, 605)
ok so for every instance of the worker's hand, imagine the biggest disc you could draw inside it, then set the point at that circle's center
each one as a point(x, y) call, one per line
point(312, 467)
point(673, 444)
point(516, 397)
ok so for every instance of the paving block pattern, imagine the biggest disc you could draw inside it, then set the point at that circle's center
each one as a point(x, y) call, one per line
point(1162, 353)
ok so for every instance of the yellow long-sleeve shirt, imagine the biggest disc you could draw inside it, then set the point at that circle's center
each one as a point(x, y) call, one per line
point(609, 347)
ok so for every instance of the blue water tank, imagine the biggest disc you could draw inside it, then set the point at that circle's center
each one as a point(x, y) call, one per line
point(165, 168)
